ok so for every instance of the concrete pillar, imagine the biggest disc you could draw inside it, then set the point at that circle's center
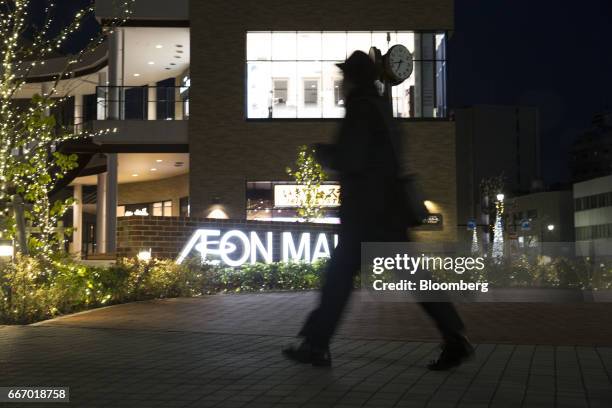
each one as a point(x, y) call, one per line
point(101, 215)
point(178, 106)
point(111, 203)
point(78, 114)
point(115, 74)
point(152, 101)
point(77, 221)
point(101, 97)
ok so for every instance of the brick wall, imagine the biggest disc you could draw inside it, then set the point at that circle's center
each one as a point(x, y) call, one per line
point(166, 236)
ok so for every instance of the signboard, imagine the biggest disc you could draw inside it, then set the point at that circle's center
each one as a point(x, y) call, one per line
point(236, 247)
point(433, 222)
point(292, 195)
point(525, 225)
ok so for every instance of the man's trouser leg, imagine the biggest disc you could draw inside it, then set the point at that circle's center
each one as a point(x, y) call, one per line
point(343, 265)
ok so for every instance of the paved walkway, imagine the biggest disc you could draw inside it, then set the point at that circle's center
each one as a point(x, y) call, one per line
point(223, 351)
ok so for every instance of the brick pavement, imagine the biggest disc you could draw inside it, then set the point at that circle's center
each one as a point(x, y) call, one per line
point(223, 351)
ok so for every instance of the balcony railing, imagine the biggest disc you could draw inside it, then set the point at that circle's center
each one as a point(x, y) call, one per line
point(142, 103)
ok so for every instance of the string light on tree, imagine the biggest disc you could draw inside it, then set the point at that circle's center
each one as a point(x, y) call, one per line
point(498, 230)
point(30, 165)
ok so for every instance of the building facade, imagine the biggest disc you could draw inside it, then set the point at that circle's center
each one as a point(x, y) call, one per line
point(495, 141)
point(591, 155)
point(546, 216)
point(593, 216)
point(238, 138)
point(198, 108)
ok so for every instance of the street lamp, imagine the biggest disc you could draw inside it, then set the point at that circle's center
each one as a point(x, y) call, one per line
point(550, 227)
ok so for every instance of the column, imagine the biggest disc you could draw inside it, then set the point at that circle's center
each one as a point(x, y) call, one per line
point(152, 101)
point(111, 203)
point(102, 96)
point(77, 220)
point(178, 105)
point(116, 112)
point(115, 74)
point(78, 114)
point(101, 215)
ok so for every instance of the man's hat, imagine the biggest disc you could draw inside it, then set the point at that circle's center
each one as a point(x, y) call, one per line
point(359, 68)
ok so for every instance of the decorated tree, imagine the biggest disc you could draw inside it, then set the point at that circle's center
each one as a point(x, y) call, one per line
point(30, 164)
point(491, 188)
point(309, 176)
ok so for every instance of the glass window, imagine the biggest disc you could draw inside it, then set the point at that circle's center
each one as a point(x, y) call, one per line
point(167, 208)
point(293, 74)
point(311, 91)
point(338, 98)
point(158, 210)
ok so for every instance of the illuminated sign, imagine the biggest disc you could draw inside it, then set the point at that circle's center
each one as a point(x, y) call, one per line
point(235, 247)
point(293, 195)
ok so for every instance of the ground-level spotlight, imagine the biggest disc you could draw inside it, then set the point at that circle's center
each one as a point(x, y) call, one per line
point(144, 255)
point(7, 250)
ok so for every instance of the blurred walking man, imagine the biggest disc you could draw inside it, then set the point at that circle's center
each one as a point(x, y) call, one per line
point(371, 211)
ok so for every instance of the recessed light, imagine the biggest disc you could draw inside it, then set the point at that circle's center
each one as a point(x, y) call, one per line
point(136, 75)
point(135, 175)
point(173, 63)
point(158, 46)
point(177, 56)
point(179, 51)
point(159, 160)
point(151, 62)
point(179, 45)
point(168, 68)
point(153, 169)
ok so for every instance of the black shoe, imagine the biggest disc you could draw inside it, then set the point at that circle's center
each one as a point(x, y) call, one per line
point(308, 354)
point(453, 354)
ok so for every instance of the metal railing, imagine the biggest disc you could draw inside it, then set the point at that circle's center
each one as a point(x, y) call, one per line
point(142, 103)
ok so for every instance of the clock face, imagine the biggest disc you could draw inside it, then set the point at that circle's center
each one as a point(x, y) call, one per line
point(399, 62)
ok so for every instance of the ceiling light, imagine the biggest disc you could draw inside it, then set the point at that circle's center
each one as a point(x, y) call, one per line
point(151, 63)
point(158, 46)
point(136, 75)
point(179, 45)
point(177, 56)
point(135, 175)
point(159, 160)
point(153, 169)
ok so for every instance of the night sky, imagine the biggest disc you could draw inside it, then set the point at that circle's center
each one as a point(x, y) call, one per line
point(555, 55)
point(547, 53)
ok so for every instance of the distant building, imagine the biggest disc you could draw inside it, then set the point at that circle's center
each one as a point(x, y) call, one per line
point(593, 216)
point(494, 140)
point(592, 152)
point(540, 217)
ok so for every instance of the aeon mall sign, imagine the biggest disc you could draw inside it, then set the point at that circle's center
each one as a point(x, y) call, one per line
point(236, 247)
